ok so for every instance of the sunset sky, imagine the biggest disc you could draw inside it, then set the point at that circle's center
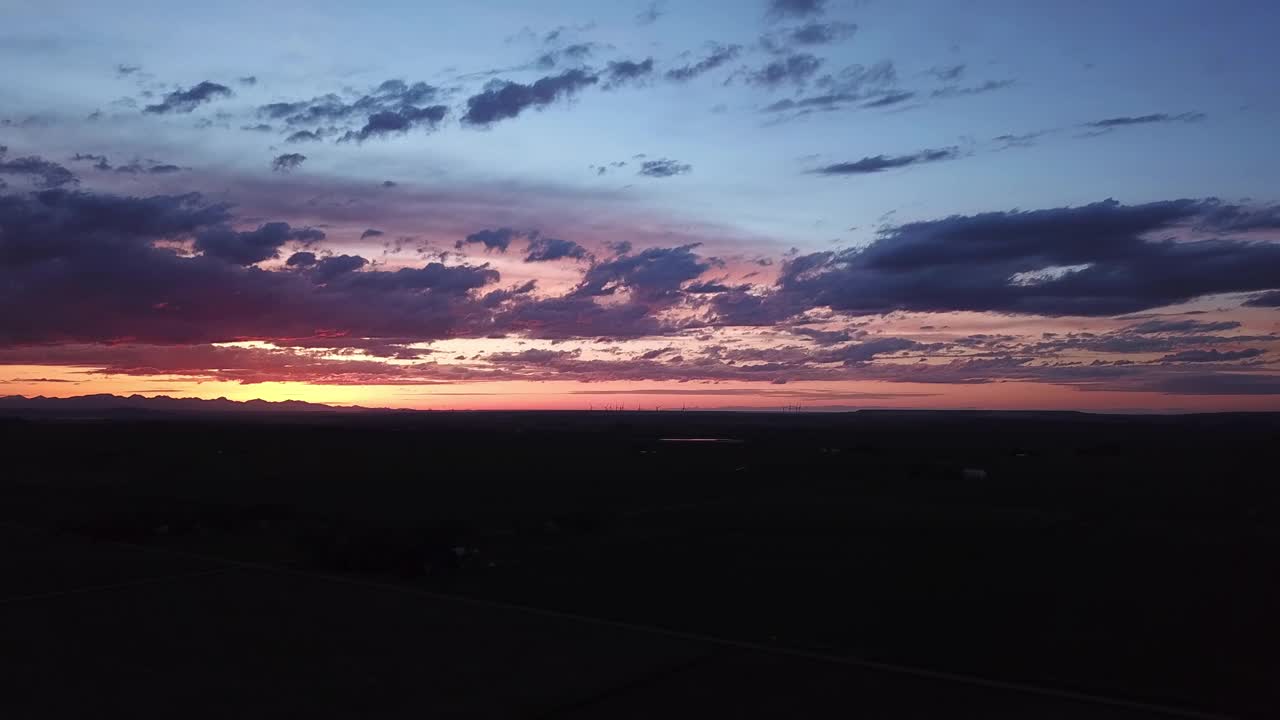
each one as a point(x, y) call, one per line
point(569, 204)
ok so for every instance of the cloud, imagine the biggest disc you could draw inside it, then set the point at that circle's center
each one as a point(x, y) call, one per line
point(303, 136)
point(120, 284)
point(789, 9)
point(1157, 118)
point(1092, 260)
point(650, 14)
point(624, 71)
point(653, 274)
point(1024, 140)
point(545, 249)
point(1212, 355)
point(88, 268)
point(986, 87)
point(248, 80)
point(371, 233)
point(185, 101)
point(719, 55)
point(880, 163)
point(327, 269)
point(794, 69)
point(1181, 326)
point(44, 173)
point(664, 168)
point(400, 121)
point(133, 167)
point(287, 162)
point(577, 53)
point(499, 239)
point(557, 33)
point(505, 100)
point(126, 70)
point(254, 246)
point(808, 35)
point(889, 100)
point(852, 84)
point(393, 106)
point(706, 288)
point(947, 73)
point(301, 259)
point(1271, 299)
point(99, 161)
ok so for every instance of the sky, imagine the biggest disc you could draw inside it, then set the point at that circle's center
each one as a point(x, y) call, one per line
point(752, 204)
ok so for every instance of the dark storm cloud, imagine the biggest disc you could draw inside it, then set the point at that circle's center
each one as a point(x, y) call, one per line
point(880, 163)
point(389, 122)
point(43, 173)
point(719, 55)
point(253, 246)
point(1094, 260)
point(545, 249)
point(624, 71)
point(785, 9)
point(1271, 299)
point(1212, 355)
point(287, 162)
point(499, 239)
point(664, 168)
point(184, 101)
point(1157, 118)
point(371, 232)
point(986, 87)
point(794, 69)
point(505, 100)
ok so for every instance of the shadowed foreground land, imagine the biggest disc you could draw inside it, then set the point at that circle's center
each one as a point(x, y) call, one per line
point(1131, 558)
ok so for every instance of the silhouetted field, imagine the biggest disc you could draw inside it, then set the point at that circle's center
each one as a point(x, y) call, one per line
point(1129, 556)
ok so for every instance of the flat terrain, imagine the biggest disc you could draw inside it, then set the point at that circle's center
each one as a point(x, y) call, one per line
point(585, 565)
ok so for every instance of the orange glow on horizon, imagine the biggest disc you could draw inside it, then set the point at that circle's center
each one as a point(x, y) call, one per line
point(32, 380)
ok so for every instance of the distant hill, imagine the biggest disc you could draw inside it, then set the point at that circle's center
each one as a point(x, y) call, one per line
point(117, 404)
